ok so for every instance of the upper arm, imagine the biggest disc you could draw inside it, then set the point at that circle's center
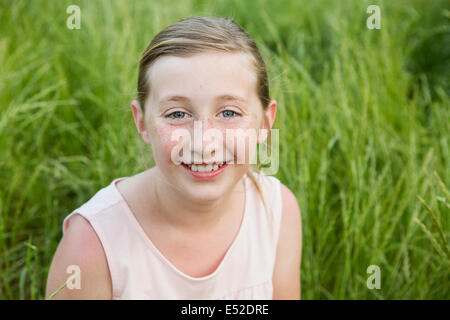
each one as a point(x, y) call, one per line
point(286, 277)
point(80, 247)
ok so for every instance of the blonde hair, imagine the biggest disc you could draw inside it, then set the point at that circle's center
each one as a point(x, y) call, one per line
point(193, 35)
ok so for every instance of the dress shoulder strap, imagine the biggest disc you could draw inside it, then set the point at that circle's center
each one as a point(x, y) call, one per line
point(103, 199)
point(270, 194)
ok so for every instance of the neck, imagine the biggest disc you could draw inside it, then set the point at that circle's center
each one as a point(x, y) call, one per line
point(187, 214)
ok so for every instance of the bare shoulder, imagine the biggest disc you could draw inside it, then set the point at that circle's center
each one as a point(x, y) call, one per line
point(80, 250)
point(291, 209)
point(286, 277)
point(291, 221)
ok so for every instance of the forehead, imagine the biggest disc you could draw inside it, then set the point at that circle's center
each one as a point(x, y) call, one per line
point(203, 76)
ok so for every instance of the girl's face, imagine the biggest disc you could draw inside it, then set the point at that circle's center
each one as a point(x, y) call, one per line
point(193, 95)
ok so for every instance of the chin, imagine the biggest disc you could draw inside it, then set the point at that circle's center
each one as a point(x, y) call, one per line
point(204, 193)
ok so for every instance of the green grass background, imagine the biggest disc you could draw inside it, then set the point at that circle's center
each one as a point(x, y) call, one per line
point(363, 116)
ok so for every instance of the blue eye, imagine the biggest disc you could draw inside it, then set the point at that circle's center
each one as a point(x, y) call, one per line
point(229, 114)
point(176, 115)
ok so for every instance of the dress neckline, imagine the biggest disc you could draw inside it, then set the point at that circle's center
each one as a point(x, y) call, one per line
point(150, 244)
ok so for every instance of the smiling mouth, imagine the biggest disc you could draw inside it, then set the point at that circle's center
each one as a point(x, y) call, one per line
point(204, 167)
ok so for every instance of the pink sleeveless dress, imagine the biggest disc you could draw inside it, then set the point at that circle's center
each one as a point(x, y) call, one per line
point(140, 271)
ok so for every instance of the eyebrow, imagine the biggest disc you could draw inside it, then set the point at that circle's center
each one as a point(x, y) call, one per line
point(224, 97)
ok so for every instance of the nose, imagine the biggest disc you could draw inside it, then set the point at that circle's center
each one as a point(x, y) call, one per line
point(206, 141)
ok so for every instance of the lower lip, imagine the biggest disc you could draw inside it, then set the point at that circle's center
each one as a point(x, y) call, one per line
point(205, 175)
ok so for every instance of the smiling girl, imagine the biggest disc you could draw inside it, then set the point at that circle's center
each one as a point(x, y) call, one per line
point(203, 227)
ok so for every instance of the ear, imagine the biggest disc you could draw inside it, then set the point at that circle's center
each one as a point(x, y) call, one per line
point(139, 120)
point(269, 119)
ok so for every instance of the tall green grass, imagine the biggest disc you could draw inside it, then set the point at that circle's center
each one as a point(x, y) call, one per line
point(363, 116)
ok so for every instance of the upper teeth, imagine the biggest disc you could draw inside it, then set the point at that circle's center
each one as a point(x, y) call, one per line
point(203, 167)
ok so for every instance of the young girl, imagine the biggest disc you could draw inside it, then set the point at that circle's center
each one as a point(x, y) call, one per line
point(211, 228)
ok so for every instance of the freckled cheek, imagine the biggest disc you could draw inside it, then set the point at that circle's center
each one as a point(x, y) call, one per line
point(241, 140)
point(241, 147)
point(162, 144)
